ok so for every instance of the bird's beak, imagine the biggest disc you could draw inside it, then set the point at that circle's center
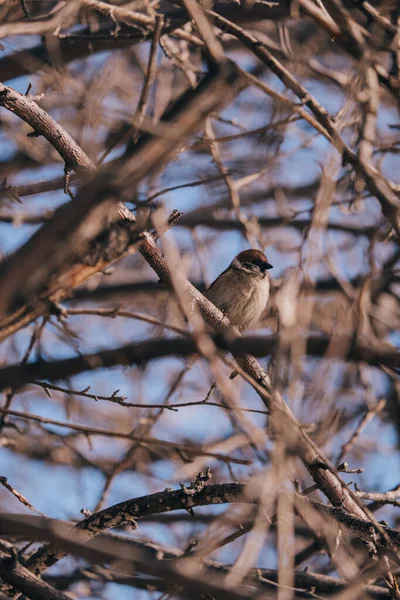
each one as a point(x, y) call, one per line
point(269, 266)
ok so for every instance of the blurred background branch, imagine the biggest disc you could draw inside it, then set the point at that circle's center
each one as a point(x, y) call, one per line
point(144, 143)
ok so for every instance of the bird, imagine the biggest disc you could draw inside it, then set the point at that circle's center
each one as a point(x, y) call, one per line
point(241, 292)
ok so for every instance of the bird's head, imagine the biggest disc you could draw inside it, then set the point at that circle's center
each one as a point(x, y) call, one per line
point(251, 261)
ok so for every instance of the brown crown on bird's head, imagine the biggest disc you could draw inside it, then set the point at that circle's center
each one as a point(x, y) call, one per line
point(255, 257)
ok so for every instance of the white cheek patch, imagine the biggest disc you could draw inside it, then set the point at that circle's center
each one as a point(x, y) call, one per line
point(235, 264)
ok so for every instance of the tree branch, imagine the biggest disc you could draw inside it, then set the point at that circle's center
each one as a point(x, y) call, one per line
point(26, 272)
point(64, 539)
point(16, 376)
point(26, 62)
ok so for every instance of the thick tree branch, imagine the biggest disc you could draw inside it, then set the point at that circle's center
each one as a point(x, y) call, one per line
point(63, 539)
point(116, 241)
point(27, 109)
point(16, 376)
point(23, 580)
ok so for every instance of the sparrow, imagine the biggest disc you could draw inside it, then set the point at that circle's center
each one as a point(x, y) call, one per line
point(241, 292)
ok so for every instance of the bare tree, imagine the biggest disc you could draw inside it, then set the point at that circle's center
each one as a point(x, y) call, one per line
point(144, 144)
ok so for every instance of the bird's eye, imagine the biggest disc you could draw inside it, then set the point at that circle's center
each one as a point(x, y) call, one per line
point(250, 266)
